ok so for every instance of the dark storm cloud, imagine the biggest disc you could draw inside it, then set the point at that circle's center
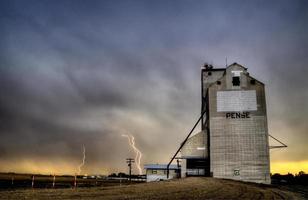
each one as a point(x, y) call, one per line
point(78, 72)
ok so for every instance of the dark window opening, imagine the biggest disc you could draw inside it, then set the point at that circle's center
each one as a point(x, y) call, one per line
point(198, 167)
point(236, 81)
point(196, 163)
point(210, 73)
point(218, 82)
point(252, 82)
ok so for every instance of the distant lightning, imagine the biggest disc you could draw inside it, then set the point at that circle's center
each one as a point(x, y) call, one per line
point(131, 141)
point(83, 160)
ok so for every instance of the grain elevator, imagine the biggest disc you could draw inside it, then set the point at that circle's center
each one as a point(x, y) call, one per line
point(233, 141)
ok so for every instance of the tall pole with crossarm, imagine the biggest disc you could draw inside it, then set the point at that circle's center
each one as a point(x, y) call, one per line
point(129, 162)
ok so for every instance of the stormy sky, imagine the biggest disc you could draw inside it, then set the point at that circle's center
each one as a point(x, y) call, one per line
point(76, 73)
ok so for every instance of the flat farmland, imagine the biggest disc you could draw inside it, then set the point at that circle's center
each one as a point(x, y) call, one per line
point(188, 188)
point(24, 181)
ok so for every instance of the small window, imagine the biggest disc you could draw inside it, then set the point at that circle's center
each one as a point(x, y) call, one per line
point(210, 73)
point(218, 83)
point(154, 171)
point(252, 82)
point(236, 81)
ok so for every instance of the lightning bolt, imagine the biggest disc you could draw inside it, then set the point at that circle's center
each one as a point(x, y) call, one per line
point(131, 141)
point(83, 160)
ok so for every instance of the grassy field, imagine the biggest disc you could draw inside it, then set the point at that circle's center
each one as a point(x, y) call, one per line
point(188, 188)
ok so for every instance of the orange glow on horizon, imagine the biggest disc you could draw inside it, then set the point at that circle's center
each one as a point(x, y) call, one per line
point(64, 167)
point(45, 167)
point(284, 167)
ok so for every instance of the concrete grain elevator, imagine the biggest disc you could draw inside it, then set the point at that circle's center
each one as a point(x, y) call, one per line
point(233, 142)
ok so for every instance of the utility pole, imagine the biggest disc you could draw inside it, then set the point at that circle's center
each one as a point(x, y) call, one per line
point(129, 162)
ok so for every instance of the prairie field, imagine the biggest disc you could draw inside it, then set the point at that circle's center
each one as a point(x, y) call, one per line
point(187, 188)
point(24, 181)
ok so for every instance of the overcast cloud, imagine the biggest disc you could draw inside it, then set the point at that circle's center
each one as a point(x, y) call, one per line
point(85, 72)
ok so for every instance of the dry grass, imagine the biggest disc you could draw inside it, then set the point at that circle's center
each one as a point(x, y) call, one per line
point(188, 188)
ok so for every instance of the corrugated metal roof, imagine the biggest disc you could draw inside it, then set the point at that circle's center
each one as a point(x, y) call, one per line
point(159, 166)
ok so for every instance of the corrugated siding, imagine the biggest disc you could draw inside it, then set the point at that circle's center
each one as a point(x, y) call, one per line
point(196, 146)
point(239, 150)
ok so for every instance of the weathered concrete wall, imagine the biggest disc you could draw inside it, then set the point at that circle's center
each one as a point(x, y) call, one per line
point(239, 142)
point(211, 77)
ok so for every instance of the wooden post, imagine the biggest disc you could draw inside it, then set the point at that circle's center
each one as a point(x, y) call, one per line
point(178, 165)
point(75, 181)
point(32, 181)
point(54, 181)
point(120, 179)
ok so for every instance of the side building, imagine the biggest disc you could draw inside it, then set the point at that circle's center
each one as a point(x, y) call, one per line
point(158, 172)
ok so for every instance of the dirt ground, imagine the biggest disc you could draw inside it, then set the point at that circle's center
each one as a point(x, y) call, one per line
point(188, 188)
